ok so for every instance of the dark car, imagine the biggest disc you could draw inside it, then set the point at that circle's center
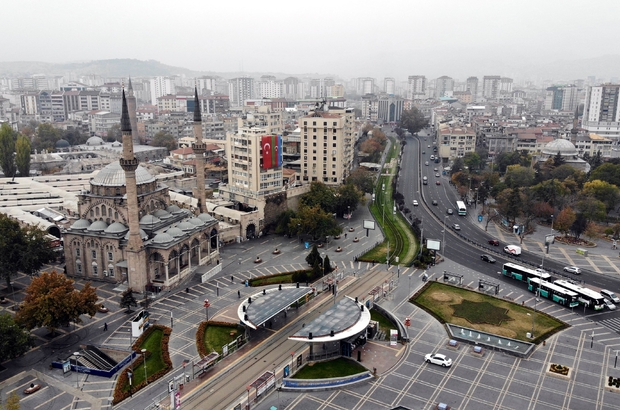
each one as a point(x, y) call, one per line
point(493, 242)
point(450, 212)
point(434, 202)
point(487, 258)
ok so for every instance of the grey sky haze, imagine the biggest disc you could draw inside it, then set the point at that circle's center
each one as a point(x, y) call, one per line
point(345, 38)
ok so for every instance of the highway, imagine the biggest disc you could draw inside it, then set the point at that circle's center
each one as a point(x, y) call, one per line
point(227, 387)
point(456, 245)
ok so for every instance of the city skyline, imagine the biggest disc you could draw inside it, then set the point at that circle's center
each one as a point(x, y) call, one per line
point(454, 38)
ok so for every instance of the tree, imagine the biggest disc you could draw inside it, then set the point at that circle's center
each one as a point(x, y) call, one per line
point(591, 231)
point(603, 191)
point(413, 120)
point(509, 204)
point(12, 402)
point(518, 176)
point(312, 220)
point(314, 256)
point(579, 226)
point(565, 220)
point(362, 179)
point(75, 137)
point(7, 150)
point(23, 249)
point(114, 133)
point(14, 341)
point(164, 139)
point(320, 195)
point(282, 222)
point(592, 209)
point(473, 161)
point(46, 138)
point(327, 265)
point(52, 301)
point(558, 160)
point(22, 156)
point(128, 300)
point(347, 198)
point(457, 166)
point(607, 172)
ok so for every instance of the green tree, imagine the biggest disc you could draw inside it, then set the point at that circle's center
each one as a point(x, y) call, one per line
point(22, 156)
point(347, 198)
point(46, 138)
point(603, 191)
point(314, 256)
point(14, 341)
point(592, 209)
point(52, 301)
point(473, 161)
point(164, 139)
point(320, 195)
point(565, 220)
point(550, 191)
point(327, 265)
point(128, 300)
point(457, 166)
point(7, 150)
point(312, 220)
point(509, 204)
point(282, 222)
point(607, 172)
point(362, 179)
point(413, 120)
point(23, 249)
point(518, 176)
point(558, 160)
point(75, 137)
point(114, 133)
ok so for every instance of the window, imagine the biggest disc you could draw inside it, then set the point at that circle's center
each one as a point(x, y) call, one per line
point(77, 252)
point(110, 256)
point(111, 271)
point(78, 266)
point(95, 269)
point(94, 254)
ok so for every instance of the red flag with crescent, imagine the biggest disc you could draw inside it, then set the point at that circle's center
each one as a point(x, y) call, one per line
point(267, 146)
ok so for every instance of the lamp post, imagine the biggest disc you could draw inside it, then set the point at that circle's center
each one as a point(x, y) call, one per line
point(469, 189)
point(248, 389)
point(144, 358)
point(443, 241)
point(130, 375)
point(206, 306)
point(322, 264)
point(476, 203)
point(77, 374)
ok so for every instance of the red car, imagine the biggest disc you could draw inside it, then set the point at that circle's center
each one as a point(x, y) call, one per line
point(493, 242)
point(437, 182)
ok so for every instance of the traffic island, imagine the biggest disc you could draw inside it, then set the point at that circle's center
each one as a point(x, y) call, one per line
point(559, 371)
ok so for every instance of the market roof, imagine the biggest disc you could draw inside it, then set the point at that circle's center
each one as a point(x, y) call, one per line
point(345, 319)
point(268, 303)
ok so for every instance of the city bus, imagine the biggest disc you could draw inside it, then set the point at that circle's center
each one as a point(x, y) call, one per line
point(586, 296)
point(553, 292)
point(460, 208)
point(522, 273)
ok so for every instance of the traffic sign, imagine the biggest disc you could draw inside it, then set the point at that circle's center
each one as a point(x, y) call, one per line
point(207, 304)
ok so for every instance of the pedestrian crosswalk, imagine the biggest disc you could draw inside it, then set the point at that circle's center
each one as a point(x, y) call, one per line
point(613, 324)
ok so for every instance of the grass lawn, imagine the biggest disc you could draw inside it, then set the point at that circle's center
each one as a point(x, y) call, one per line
point(286, 277)
point(478, 311)
point(154, 362)
point(334, 368)
point(217, 336)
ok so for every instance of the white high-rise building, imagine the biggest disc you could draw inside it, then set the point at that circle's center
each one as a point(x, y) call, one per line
point(239, 90)
point(472, 87)
point(601, 114)
point(444, 87)
point(491, 86)
point(389, 85)
point(206, 85)
point(160, 86)
point(416, 87)
point(269, 87)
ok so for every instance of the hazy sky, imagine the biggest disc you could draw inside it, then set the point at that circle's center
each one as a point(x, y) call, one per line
point(346, 38)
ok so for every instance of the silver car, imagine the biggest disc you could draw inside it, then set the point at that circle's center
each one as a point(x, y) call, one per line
point(609, 304)
point(572, 269)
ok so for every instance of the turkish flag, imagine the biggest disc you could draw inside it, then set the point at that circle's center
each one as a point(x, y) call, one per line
point(267, 146)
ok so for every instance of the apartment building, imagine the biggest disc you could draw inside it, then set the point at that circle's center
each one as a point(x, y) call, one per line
point(416, 87)
point(160, 86)
point(472, 87)
point(370, 107)
point(561, 98)
point(601, 113)
point(491, 86)
point(444, 87)
point(389, 85)
point(239, 90)
point(455, 141)
point(327, 138)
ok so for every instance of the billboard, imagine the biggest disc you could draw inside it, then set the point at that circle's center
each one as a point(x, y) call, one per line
point(271, 146)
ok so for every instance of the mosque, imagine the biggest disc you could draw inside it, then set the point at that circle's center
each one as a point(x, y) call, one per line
point(128, 230)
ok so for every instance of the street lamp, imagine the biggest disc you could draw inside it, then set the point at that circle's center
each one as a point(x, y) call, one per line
point(469, 189)
point(77, 373)
point(130, 375)
point(323, 263)
point(443, 242)
point(144, 358)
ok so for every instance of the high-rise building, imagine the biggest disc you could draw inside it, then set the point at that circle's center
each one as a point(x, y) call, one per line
point(293, 88)
point(491, 87)
point(416, 87)
point(505, 85)
point(601, 114)
point(327, 145)
point(269, 87)
point(390, 108)
point(472, 87)
point(239, 90)
point(389, 85)
point(206, 85)
point(562, 98)
point(160, 86)
point(444, 86)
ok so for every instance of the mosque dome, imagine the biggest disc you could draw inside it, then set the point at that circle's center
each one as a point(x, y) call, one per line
point(175, 232)
point(173, 209)
point(94, 141)
point(196, 221)
point(206, 217)
point(161, 214)
point(149, 220)
point(564, 147)
point(186, 226)
point(116, 228)
point(98, 226)
point(113, 175)
point(143, 235)
point(81, 224)
point(163, 238)
point(61, 144)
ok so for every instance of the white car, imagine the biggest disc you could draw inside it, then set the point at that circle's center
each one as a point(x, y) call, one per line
point(610, 295)
point(438, 359)
point(572, 269)
point(609, 305)
point(415, 202)
point(456, 227)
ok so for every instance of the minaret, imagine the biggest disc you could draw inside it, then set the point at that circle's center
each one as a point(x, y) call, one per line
point(199, 149)
point(136, 254)
point(133, 120)
point(575, 130)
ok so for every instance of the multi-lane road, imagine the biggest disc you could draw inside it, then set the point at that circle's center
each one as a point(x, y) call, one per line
point(466, 245)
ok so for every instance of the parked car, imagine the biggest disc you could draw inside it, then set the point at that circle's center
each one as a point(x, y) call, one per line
point(434, 202)
point(572, 269)
point(487, 258)
point(438, 359)
point(456, 227)
point(450, 211)
point(415, 202)
point(610, 295)
point(609, 304)
point(493, 242)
